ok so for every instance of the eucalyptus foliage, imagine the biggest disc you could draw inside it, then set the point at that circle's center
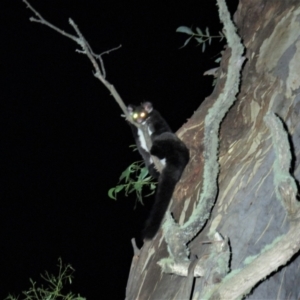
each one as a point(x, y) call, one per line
point(135, 178)
point(201, 37)
point(53, 290)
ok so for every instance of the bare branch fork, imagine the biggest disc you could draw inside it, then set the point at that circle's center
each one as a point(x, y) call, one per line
point(100, 73)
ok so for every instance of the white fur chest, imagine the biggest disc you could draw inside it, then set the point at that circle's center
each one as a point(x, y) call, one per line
point(143, 140)
point(144, 145)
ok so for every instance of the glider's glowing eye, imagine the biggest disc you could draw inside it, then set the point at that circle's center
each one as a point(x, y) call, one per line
point(143, 114)
point(135, 115)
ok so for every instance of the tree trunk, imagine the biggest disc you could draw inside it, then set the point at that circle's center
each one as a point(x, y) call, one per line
point(247, 209)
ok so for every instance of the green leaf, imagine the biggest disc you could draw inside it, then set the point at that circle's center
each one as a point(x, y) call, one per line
point(119, 188)
point(186, 42)
point(136, 176)
point(207, 31)
point(184, 29)
point(125, 174)
point(199, 31)
point(150, 194)
point(143, 173)
point(138, 186)
point(130, 189)
point(203, 47)
point(132, 168)
point(111, 194)
point(134, 146)
point(199, 40)
point(147, 179)
point(152, 186)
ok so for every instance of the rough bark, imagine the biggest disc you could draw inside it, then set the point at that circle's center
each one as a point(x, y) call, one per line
point(248, 210)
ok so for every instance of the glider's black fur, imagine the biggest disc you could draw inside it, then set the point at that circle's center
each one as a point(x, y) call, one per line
point(166, 146)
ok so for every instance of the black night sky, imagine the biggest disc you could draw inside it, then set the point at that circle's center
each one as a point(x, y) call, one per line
point(63, 142)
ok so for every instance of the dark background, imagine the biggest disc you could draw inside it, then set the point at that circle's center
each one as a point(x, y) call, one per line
point(63, 143)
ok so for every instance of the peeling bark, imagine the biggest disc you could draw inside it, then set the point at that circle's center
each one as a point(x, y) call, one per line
point(247, 209)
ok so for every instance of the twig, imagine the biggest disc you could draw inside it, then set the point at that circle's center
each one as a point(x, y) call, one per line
point(136, 250)
point(86, 49)
point(45, 22)
point(99, 56)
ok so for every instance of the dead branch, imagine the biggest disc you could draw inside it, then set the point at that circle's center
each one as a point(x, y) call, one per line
point(86, 49)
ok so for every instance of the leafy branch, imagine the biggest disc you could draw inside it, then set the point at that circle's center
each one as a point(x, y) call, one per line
point(55, 284)
point(136, 177)
point(199, 36)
